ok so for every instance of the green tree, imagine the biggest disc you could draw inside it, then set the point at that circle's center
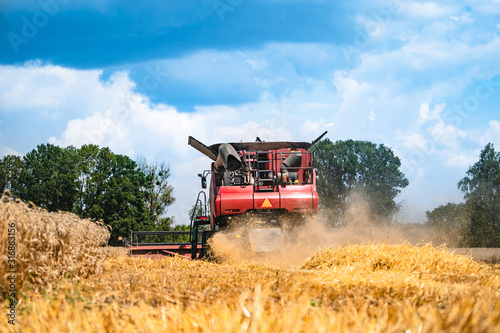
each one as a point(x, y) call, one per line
point(199, 211)
point(114, 189)
point(159, 193)
point(164, 224)
point(93, 182)
point(182, 227)
point(95, 167)
point(123, 202)
point(447, 223)
point(348, 166)
point(49, 177)
point(10, 172)
point(481, 188)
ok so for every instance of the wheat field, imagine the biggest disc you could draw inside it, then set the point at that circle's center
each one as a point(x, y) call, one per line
point(70, 283)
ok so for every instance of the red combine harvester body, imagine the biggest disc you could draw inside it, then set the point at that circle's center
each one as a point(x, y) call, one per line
point(272, 181)
point(269, 187)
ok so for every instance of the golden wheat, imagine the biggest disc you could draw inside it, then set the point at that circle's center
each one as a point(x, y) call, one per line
point(47, 246)
point(143, 295)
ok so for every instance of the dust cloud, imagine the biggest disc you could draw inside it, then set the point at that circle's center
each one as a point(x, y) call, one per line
point(307, 237)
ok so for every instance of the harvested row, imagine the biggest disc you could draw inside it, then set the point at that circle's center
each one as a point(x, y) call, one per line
point(437, 264)
point(143, 295)
point(46, 247)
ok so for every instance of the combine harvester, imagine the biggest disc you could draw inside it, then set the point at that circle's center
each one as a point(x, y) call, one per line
point(262, 188)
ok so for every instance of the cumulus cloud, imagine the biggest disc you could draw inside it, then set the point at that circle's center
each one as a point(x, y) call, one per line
point(413, 141)
point(424, 111)
point(5, 150)
point(447, 134)
point(461, 160)
point(440, 132)
point(492, 134)
point(311, 127)
point(427, 10)
point(48, 89)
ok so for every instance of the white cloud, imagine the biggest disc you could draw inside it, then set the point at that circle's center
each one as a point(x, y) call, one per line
point(447, 134)
point(495, 125)
point(492, 134)
point(424, 111)
point(372, 116)
point(440, 132)
point(4, 150)
point(434, 59)
point(414, 141)
point(313, 128)
point(460, 160)
point(426, 10)
point(486, 7)
point(50, 89)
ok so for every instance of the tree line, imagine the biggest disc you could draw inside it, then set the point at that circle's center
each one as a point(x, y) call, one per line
point(94, 183)
point(350, 170)
point(475, 222)
point(129, 195)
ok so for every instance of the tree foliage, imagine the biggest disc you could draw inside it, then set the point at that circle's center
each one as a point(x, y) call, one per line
point(481, 188)
point(49, 177)
point(10, 172)
point(123, 203)
point(92, 182)
point(448, 224)
point(160, 193)
point(94, 166)
point(346, 166)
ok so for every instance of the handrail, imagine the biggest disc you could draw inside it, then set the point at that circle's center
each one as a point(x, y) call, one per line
point(193, 215)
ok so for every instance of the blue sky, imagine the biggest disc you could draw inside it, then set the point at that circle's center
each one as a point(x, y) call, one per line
point(420, 77)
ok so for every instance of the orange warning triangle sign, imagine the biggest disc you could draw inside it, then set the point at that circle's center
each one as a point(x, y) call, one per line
point(266, 204)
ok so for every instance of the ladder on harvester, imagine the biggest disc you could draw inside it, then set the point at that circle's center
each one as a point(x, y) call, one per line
point(260, 164)
point(196, 222)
